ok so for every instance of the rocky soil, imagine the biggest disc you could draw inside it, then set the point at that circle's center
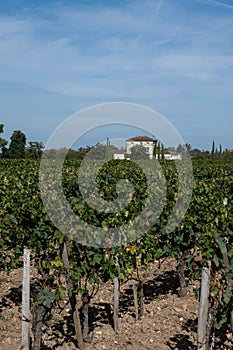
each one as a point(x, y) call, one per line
point(169, 321)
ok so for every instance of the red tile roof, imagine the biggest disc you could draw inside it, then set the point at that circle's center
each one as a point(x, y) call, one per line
point(119, 151)
point(141, 138)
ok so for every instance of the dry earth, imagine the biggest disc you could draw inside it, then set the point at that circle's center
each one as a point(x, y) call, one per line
point(169, 322)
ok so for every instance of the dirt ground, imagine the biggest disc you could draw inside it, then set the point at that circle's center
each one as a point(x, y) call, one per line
point(169, 321)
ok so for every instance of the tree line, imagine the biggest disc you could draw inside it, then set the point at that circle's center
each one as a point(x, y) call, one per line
point(18, 149)
point(216, 153)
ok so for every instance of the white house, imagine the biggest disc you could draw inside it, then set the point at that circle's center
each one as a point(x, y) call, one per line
point(149, 143)
point(145, 141)
point(172, 155)
point(119, 154)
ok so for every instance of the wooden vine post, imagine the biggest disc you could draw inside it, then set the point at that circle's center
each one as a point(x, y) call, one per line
point(226, 262)
point(26, 302)
point(138, 294)
point(85, 308)
point(203, 342)
point(182, 265)
point(135, 297)
point(116, 300)
point(72, 298)
point(141, 300)
point(116, 293)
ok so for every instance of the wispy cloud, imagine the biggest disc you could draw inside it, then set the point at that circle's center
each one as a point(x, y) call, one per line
point(155, 14)
point(100, 43)
point(223, 4)
point(197, 67)
point(148, 52)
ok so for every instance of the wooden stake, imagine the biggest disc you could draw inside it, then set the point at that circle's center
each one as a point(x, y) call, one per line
point(141, 300)
point(116, 304)
point(135, 296)
point(232, 320)
point(85, 308)
point(37, 326)
point(72, 298)
point(182, 265)
point(26, 302)
point(203, 310)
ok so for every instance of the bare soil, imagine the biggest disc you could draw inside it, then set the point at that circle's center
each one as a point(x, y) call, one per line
point(169, 321)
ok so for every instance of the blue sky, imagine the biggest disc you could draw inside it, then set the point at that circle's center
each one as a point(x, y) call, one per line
point(176, 57)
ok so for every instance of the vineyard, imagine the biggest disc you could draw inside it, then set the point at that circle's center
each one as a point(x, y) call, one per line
point(79, 264)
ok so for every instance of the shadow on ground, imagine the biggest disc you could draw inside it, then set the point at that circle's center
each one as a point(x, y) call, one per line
point(183, 342)
point(102, 313)
point(167, 283)
point(14, 296)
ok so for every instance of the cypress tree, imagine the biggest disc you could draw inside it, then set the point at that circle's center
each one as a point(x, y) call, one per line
point(158, 149)
point(108, 152)
point(162, 153)
point(213, 150)
point(17, 145)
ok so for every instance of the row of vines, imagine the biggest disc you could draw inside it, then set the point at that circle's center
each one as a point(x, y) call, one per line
point(203, 238)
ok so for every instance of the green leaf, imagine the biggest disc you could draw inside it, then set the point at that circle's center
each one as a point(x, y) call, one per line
point(216, 260)
point(61, 292)
point(97, 258)
point(46, 297)
point(227, 296)
point(222, 244)
point(220, 323)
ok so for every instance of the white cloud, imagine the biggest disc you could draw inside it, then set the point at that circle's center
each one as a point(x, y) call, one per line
point(215, 3)
point(196, 67)
point(149, 51)
point(10, 26)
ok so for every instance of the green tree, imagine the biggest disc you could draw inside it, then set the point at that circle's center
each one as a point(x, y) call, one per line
point(188, 147)
point(182, 149)
point(98, 152)
point(72, 154)
point(102, 152)
point(198, 154)
point(34, 150)
point(3, 142)
point(138, 152)
point(220, 149)
point(213, 150)
point(108, 150)
point(162, 153)
point(17, 145)
point(155, 151)
point(159, 151)
point(82, 151)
